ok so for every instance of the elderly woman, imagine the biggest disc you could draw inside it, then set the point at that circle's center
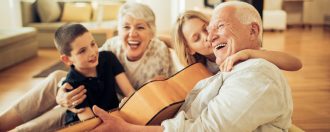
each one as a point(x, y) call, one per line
point(143, 56)
point(190, 43)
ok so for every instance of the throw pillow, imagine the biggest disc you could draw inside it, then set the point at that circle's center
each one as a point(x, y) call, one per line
point(110, 10)
point(76, 12)
point(48, 10)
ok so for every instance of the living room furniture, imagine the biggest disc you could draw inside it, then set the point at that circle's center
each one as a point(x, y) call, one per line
point(17, 45)
point(32, 17)
point(307, 13)
point(274, 18)
point(102, 32)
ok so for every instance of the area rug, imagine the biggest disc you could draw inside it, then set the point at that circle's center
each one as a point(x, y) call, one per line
point(57, 66)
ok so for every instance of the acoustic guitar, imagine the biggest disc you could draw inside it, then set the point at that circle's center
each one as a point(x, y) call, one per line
point(155, 101)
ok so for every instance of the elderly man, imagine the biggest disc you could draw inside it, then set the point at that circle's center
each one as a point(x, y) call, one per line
point(254, 96)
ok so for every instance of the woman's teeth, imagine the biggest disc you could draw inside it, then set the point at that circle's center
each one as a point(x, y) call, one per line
point(219, 46)
point(134, 44)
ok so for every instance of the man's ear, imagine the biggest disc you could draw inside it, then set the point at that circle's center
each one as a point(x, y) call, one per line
point(254, 32)
point(66, 60)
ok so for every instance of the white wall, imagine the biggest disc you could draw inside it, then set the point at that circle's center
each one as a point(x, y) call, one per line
point(166, 11)
point(10, 12)
point(193, 4)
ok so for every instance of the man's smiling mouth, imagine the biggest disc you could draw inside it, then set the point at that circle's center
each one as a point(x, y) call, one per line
point(219, 46)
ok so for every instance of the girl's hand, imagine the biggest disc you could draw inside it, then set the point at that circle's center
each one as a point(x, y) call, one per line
point(228, 64)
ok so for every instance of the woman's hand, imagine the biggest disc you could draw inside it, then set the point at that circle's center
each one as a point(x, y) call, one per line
point(71, 99)
point(228, 64)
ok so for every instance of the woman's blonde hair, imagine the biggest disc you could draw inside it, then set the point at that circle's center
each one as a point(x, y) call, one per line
point(180, 44)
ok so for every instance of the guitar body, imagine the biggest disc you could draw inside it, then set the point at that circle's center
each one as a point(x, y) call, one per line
point(155, 101)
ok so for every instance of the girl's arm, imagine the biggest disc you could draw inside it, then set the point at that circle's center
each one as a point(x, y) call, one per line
point(166, 39)
point(124, 84)
point(282, 60)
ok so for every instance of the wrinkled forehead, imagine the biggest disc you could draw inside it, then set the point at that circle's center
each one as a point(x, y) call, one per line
point(131, 19)
point(213, 23)
point(221, 15)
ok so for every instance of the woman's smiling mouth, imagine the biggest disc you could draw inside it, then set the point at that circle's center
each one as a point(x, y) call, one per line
point(134, 44)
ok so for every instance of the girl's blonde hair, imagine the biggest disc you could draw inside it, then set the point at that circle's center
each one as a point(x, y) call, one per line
point(180, 44)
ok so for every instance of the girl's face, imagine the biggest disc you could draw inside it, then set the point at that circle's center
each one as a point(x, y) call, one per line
point(195, 33)
point(136, 35)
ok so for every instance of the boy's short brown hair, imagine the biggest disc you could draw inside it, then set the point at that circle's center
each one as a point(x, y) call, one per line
point(65, 35)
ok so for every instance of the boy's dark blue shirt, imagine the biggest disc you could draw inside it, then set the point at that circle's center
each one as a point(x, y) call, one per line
point(100, 89)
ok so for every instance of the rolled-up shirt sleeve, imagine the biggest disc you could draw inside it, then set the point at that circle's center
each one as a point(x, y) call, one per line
point(250, 99)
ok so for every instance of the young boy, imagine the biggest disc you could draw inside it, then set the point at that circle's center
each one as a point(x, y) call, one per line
point(99, 72)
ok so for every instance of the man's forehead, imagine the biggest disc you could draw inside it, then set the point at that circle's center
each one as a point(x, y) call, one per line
point(215, 20)
point(222, 14)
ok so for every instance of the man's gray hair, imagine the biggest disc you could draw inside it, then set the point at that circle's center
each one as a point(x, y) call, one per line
point(246, 14)
point(137, 11)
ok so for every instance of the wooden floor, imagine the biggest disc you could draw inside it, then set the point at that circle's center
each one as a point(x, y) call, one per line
point(310, 86)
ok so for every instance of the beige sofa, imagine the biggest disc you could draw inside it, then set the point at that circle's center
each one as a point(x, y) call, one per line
point(45, 30)
point(17, 45)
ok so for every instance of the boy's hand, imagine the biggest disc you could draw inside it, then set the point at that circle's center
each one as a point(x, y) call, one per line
point(71, 99)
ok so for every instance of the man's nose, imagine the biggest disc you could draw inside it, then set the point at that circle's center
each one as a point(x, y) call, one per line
point(212, 37)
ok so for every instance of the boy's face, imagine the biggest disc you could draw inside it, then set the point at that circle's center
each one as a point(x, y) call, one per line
point(84, 54)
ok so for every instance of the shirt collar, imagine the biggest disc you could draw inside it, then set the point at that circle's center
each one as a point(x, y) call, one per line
point(73, 73)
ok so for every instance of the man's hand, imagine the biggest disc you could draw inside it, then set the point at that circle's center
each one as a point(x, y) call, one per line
point(71, 99)
point(109, 122)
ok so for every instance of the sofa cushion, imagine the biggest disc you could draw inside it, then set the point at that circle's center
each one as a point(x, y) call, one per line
point(110, 10)
point(17, 45)
point(8, 36)
point(48, 10)
point(76, 12)
point(51, 27)
point(29, 12)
